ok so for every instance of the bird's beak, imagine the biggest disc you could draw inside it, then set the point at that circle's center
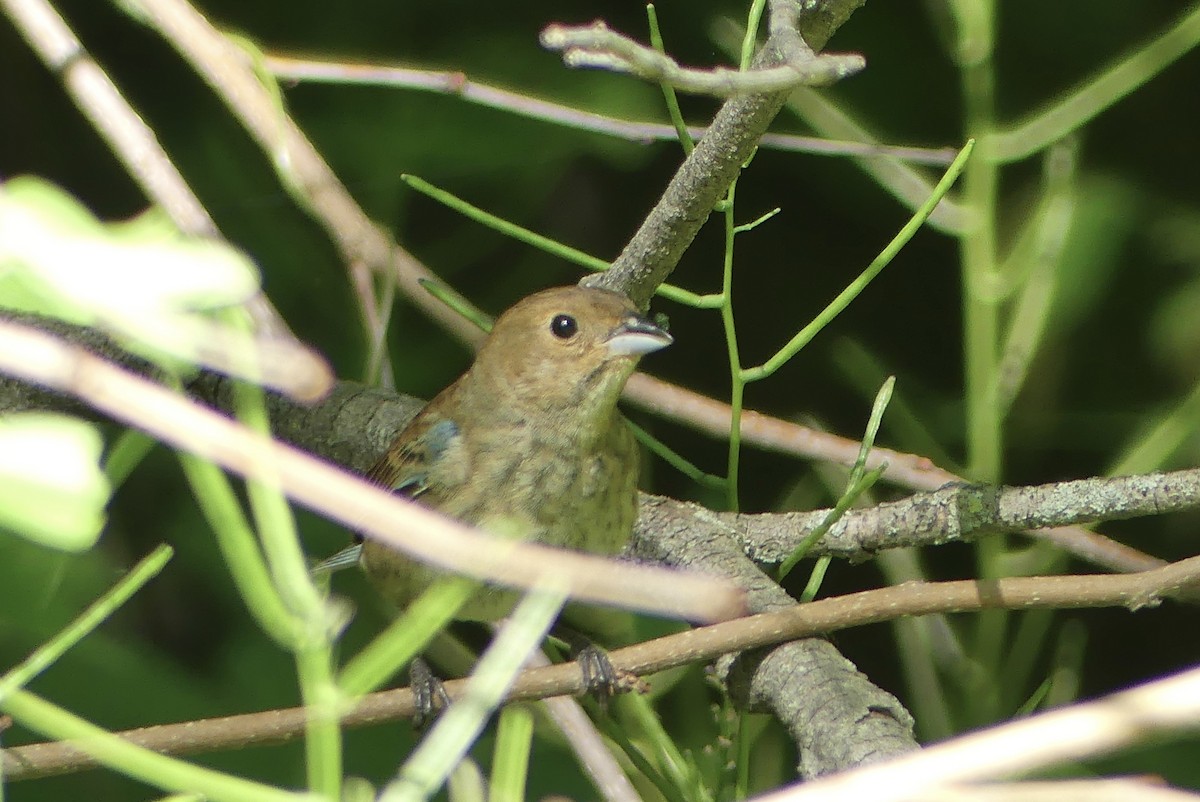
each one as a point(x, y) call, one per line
point(636, 336)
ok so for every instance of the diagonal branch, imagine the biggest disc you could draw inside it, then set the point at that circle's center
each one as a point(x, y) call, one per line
point(706, 173)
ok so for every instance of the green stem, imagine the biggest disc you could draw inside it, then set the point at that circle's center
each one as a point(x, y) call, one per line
point(46, 654)
point(405, 637)
point(669, 456)
point(685, 139)
point(220, 507)
point(981, 318)
point(546, 244)
point(978, 252)
point(167, 773)
point(323, 734)
point(1073, 110)
point(846, 296)
point(737, 375)
point(510, 760)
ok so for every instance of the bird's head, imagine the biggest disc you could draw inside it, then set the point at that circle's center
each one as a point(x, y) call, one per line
point(567, 348)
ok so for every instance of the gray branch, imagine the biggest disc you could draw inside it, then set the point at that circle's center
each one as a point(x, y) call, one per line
point(599, 47)
point(955, 513)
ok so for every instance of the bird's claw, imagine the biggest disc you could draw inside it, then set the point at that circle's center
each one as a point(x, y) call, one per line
point(429, 694)
point(602, 679)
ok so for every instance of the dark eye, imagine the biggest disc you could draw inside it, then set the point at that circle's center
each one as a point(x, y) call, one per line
point(564, 326)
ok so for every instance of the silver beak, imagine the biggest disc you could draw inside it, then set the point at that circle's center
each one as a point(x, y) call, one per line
point(637, 336)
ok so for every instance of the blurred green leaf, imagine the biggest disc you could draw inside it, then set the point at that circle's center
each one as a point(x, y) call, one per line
point(85, 270)
point(51, 487)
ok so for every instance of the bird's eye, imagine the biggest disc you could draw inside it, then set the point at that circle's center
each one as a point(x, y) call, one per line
point(564, 326)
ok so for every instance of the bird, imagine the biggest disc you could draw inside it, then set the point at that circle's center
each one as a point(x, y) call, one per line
point(528, 442)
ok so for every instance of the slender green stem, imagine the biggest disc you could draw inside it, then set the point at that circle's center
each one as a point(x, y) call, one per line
point(674, 765)
point(859, 482)
point(405, 637)
point(1035, 267)
point(667, 455)
point(125, 455)
point(240, 549)
point(1076, 108)
point(167, 773)
point(621, 737)
point(815, 579)
point(852, 494)
point(510, 760)
point(428, 766)
point(737, 375)
point(274, 521)
point(456, 302)
point(750, 40)
point(546, 244)
point(96, 613)
point(685, 139)
point(835, 307)
point(1154, 447)
point(981, 320)
point(289, 569)
point(323, 734)
point(978, 250)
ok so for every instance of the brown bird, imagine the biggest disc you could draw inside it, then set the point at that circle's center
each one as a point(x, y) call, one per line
point(528, 442)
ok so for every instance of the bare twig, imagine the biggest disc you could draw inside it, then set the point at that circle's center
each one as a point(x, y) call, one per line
point(289, 68)
point(705, 175)
point(706, 643)
point(357, 441)
point(131, 140)
point(597, 46)
point(1119, 789)
point(229, 71)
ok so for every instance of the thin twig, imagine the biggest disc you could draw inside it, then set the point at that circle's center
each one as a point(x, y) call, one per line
point(1134, 591)
point(131, 140)
point(230, 72)
point(290, 68)
point(599, 47)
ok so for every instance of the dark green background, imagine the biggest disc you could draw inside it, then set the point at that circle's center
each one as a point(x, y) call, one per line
point(1123, 342)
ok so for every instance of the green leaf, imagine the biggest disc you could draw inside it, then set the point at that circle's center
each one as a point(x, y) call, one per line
point(84, 269)
point(52, 490)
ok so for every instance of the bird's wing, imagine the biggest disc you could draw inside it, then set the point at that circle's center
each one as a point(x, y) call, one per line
point(424, 454)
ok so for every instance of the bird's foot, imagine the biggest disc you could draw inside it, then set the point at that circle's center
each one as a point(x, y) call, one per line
point(602, 679)
point(429, 694)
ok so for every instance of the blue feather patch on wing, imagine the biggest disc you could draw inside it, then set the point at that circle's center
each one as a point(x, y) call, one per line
point(431, 447)
point(440, 437)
